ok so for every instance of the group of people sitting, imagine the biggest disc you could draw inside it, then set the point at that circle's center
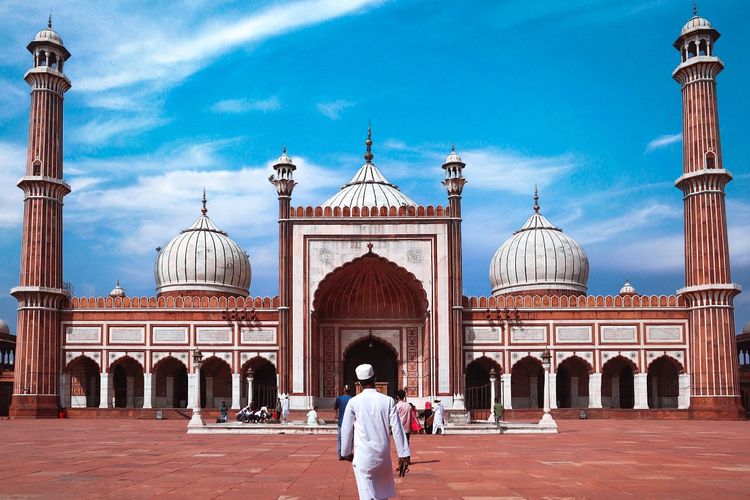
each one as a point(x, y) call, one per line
point(250, 414)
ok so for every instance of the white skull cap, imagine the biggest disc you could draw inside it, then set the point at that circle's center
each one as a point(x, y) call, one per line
point(364, 372)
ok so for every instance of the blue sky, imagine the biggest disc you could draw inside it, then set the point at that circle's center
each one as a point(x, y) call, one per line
point(574, 96)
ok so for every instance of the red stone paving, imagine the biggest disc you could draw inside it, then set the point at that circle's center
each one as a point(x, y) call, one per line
point(588, 459)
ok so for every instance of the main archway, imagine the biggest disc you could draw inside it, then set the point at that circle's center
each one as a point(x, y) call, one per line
point(369, 301)
point(381, 356)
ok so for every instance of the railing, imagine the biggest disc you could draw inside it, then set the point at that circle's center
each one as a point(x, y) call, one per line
point(477, 398)
point(265, 395)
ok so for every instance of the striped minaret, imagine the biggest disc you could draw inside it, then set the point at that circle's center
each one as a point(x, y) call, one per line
point(709, 291)
point(41, 292)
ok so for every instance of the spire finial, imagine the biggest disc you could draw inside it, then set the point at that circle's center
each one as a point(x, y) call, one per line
point(368, 144)
point(284, 149)
point(695, 8)
point(453, 148)
point(536, 200)
point(204, 210)
point(49, 22)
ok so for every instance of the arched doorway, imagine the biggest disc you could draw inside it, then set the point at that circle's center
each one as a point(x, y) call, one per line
point(382, 358)
point(663, 383)
point(171, 386)
point(527, 383)
point(618, 389)
point(353, 301)
point(84, 383)
point(265, 390)
point(478, 392)
point(573, 383)
point(127, 383)
point(216, 383)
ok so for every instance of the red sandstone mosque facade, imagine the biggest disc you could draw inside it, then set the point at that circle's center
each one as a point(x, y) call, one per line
point(371, 276)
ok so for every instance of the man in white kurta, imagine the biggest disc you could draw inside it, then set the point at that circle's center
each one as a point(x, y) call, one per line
point(438, 421)
point(364, 431)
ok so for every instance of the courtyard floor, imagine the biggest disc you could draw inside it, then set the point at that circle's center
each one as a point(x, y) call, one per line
point(610, 459)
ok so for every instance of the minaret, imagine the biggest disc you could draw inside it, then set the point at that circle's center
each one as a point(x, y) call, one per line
point(41, 292)
point(284, 183)
point(454, 184)
point(709, 290)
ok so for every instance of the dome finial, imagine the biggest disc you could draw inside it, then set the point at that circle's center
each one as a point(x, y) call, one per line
point(695, 8)
point(49, 22)
point(204, 210)
point(368, 144)
point(536, 200)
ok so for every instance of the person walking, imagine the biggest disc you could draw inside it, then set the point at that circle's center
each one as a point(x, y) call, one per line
point(404, 413)
point(365, 440)
point(285, 409)
point(339, 406)
point(438, 422)
point(498, 411)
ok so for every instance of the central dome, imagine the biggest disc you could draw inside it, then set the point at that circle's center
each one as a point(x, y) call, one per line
point(202, 260)
point(539, 258)
point(368, 188)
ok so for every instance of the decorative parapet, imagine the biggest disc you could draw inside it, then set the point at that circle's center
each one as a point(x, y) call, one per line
point(405, 211)
point(186, 302)
point(563, 301)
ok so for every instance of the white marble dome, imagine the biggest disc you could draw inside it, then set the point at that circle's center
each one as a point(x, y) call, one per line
point(117, 291)
point(4, 328)
point(539, 257)
point(203, 258)
point(48, 35)
point(695, 23)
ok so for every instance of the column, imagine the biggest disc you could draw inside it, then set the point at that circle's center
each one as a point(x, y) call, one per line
point(493, 381)
point(507, 397)
point(236, 391)
point(148, 397)
point(595, 390)
point(130, 392)
point(641, 391)
point(105, 390)
point(191, 390)
point(683, 398)
point(553, 391)
point(250, 386)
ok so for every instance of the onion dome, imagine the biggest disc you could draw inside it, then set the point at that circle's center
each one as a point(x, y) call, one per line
point(202, 259)
point(453, 157)
point(539, 258)
point(117, 291)
point(284, 161)
point(627, 288)
point(47, 36)
point(4, 328)
point(369, 188)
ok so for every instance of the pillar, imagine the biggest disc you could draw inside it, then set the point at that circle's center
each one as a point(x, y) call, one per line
point(493, 382)
point(507, 397)
point(236, 381)
point(148, 395)
point(640, 382)
point(105, 390)
point(250, 386)
point(595, 390)
point(191, 390)
point(683, 399)
point(553, 391)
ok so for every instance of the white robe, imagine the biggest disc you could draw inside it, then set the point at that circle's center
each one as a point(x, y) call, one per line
point(364, 430)
point(438, 421)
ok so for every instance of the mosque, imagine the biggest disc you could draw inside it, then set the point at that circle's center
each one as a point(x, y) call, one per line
point(371, 276)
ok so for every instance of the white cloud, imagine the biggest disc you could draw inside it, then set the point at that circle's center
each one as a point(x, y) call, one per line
point(663, 141)
point(12, 167)
point(498, 169)
point(648, 216)
point(333, 109)
point(99, 132)
point(245, 105)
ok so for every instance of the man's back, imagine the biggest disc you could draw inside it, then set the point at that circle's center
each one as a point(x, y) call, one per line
point(340, 405)
point(374, 415)
point(404, 415)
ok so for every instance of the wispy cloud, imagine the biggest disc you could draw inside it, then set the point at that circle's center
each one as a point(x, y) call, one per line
point(12, 167)
point(100, 131)
point(499, 169)
point(244, 105)
point(333, 109)
point(663, 141)
point(593, 231)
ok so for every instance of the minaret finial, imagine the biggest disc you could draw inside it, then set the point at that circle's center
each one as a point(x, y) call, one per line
point(49, 22)
point(368, 144)
point(204, 210)
point(536, 200)
point(695, 8)
point(284, 149)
